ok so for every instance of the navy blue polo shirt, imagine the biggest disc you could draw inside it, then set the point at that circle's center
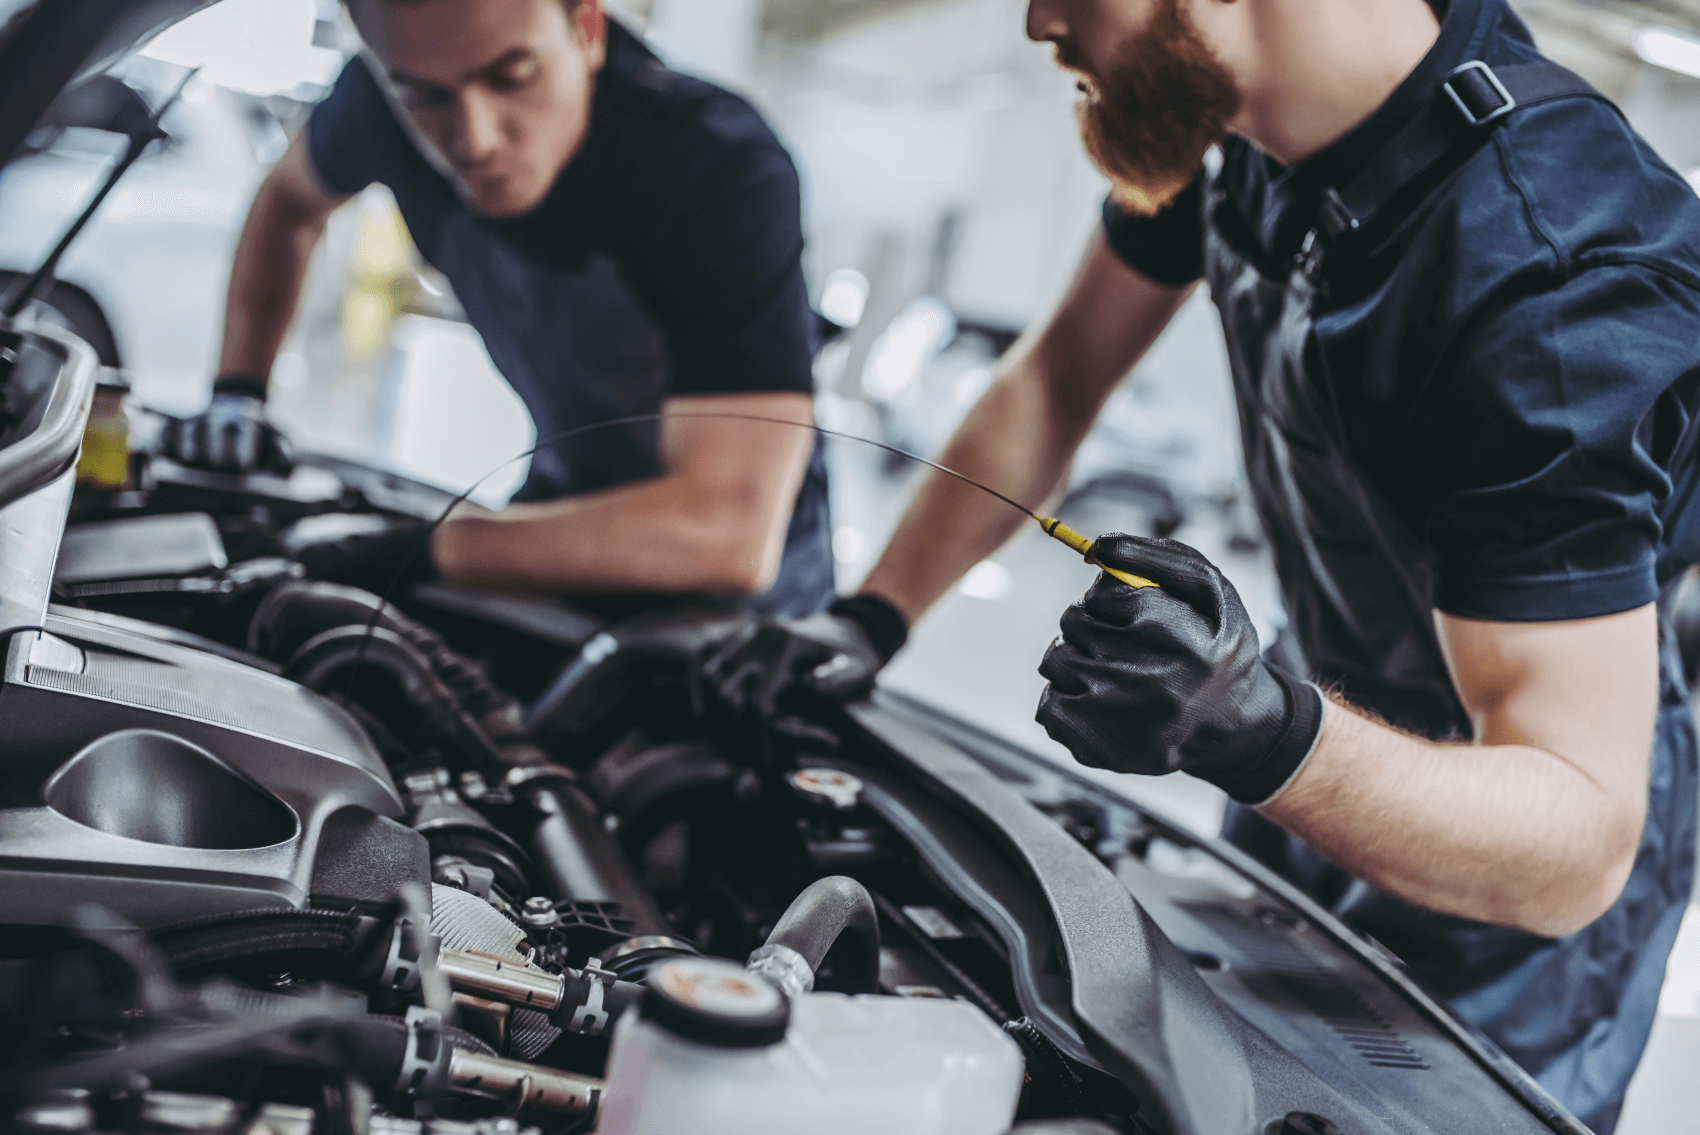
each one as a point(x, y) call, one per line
point(665, 261)
point(1516, 360)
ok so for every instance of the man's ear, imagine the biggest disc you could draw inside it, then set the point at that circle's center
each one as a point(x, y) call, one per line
point(590, 24)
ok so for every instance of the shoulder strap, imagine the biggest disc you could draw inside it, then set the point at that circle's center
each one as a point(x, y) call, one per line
point(1471, 100)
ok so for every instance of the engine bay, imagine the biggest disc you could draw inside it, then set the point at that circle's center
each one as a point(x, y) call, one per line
point(279, 854)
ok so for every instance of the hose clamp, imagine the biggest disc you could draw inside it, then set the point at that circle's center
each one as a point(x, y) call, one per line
point(783, 968)
point(424, 1062)
point(403, 965)
point(591, 1017)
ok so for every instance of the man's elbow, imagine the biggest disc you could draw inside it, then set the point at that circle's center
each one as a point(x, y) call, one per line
point(1583, 892)
point(739, 559)
point(739, 574)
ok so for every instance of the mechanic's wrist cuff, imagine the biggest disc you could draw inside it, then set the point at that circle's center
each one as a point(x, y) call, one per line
point(251, 385)
point(1293, 746)
point(883, 623)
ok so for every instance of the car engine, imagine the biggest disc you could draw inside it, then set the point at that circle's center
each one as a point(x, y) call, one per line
point(360, 866)
point(278, 854)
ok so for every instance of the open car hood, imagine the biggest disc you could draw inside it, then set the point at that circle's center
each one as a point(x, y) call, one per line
point(46, 45)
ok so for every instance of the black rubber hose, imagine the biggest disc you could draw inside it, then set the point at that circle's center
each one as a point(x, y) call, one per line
point(321, 629)
point(377, 1047)
point(388, 1038)
point(579, 861)
point(583, 1010)
point(295, 612)
point(204, 943)
point(324, 661)
point(376, 1044)
point(835, 914)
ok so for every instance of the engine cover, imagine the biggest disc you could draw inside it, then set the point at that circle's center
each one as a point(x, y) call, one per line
point(166, 783)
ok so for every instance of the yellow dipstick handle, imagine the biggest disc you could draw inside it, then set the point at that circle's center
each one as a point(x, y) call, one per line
point(1060, 531)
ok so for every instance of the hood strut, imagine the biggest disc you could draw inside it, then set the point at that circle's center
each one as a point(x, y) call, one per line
point(142, 129)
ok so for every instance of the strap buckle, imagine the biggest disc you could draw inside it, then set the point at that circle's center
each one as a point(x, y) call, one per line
point(1477, 93)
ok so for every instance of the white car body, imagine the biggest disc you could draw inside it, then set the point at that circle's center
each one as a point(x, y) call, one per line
point(155, 258)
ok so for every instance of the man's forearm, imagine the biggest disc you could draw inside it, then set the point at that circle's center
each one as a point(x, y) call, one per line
point(714, 522)
point(265, 282)
point(655, 535)
point(1015, 440)
point(1505, 833)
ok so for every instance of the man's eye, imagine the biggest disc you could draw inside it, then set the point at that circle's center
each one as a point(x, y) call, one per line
point(515, 74)
point(424, 98)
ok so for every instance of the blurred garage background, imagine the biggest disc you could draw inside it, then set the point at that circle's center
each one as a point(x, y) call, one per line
point(946, 198)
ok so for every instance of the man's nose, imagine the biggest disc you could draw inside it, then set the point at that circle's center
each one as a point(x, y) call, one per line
point(478, 131)
point(1045, 21)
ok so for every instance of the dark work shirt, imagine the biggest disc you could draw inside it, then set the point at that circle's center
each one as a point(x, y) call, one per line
point(1514, 359)
point(665, 261)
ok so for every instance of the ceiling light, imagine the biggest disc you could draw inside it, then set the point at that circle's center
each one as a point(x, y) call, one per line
point(1670, 49)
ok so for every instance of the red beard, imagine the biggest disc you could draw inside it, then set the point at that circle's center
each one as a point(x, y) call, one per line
point(1156, 111)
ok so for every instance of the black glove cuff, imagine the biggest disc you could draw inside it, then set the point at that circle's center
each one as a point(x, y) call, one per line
point(884, 624)
point(252, 385)
point(1293, 743)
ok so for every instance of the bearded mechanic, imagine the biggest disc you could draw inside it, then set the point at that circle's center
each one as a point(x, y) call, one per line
point(1462, 306)
point(625, 239)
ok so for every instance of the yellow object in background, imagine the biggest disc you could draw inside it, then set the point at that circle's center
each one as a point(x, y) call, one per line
point(383, 280)
point(105, 460)
point(1057, 530)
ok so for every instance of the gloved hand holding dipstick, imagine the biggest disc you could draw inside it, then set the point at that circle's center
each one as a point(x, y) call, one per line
point(1164, 679)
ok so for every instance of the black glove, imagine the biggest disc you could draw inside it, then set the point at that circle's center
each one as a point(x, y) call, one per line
point(835, 654)
point(231, 435)
point(371, 551)
point(1155, 681)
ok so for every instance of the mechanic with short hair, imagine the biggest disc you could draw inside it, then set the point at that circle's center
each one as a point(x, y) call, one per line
point(1462, 310)
point(626, 240)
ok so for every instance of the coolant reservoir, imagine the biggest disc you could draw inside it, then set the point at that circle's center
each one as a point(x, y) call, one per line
point(712, 1053)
